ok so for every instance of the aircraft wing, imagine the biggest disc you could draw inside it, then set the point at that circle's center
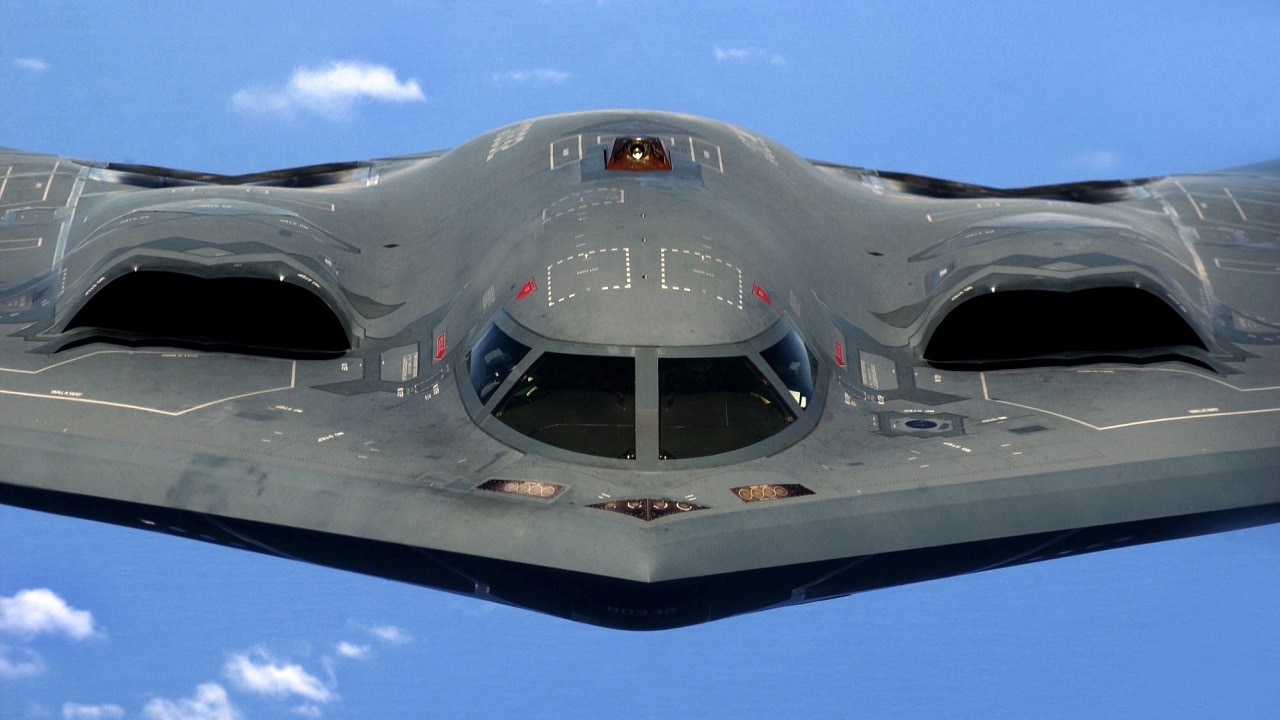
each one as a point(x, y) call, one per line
point(639, 369)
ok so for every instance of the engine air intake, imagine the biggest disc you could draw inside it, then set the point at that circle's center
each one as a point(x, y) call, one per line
point(1030, 328)
point(254, 316)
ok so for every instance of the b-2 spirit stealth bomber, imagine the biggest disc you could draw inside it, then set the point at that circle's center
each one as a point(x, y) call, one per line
point(639, 369)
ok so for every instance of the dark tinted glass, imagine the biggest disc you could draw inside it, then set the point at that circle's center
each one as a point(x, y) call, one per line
point(492, 359)
point(583, 403)
point(708, 406)
point(795, 367)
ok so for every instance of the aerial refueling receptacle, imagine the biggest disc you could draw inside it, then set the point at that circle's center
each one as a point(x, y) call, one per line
point(638, 154)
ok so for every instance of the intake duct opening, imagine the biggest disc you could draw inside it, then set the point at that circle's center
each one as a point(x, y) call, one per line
point(1035, 328)
point(254, 316)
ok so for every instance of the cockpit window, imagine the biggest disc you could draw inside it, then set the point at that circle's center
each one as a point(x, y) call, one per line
point(708, 406)
point(795, 367)
point(491, 361)
point(661, 407)
point(582, 403)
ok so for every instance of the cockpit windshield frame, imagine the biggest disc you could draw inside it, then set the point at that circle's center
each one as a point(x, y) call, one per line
point(802, 413)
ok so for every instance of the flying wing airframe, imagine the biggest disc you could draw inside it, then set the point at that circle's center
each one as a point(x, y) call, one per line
point(639, 369)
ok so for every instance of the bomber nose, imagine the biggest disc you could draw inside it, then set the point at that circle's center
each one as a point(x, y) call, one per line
point(645, 408)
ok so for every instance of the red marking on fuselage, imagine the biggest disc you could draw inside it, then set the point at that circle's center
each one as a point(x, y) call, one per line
point(528, 288)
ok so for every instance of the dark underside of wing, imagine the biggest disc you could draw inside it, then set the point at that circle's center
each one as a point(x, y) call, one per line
point(625, 604)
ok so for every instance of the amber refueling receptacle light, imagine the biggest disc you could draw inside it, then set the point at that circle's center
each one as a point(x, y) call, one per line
point(638, 154)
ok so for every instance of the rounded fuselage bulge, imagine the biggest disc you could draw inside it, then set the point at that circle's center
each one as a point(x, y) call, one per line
point(689, 254)
point(648, 291)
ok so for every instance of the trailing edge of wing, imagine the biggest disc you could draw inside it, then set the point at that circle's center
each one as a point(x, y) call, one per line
point(1092, 192)
point(1269, 168)
point(308, 176)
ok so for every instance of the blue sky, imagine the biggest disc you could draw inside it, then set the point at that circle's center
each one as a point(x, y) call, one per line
point(101, 622)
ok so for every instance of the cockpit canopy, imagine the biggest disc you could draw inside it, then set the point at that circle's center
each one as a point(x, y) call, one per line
point(608, 402)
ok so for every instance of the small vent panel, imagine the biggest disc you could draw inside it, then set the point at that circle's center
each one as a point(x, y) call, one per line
point(523, 488)
point(648, 508)
point(758, 493)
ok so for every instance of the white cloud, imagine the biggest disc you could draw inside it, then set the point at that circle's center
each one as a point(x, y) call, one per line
point(32, 612)
point(390, 634)
point(264, 675)
point(749, 53)
point(35, 65)
point(209, 703)
point(546, 75)
point(308, 710)
point(76, 711)
point(352, 650)
point(19, 663)
point(330, 91)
